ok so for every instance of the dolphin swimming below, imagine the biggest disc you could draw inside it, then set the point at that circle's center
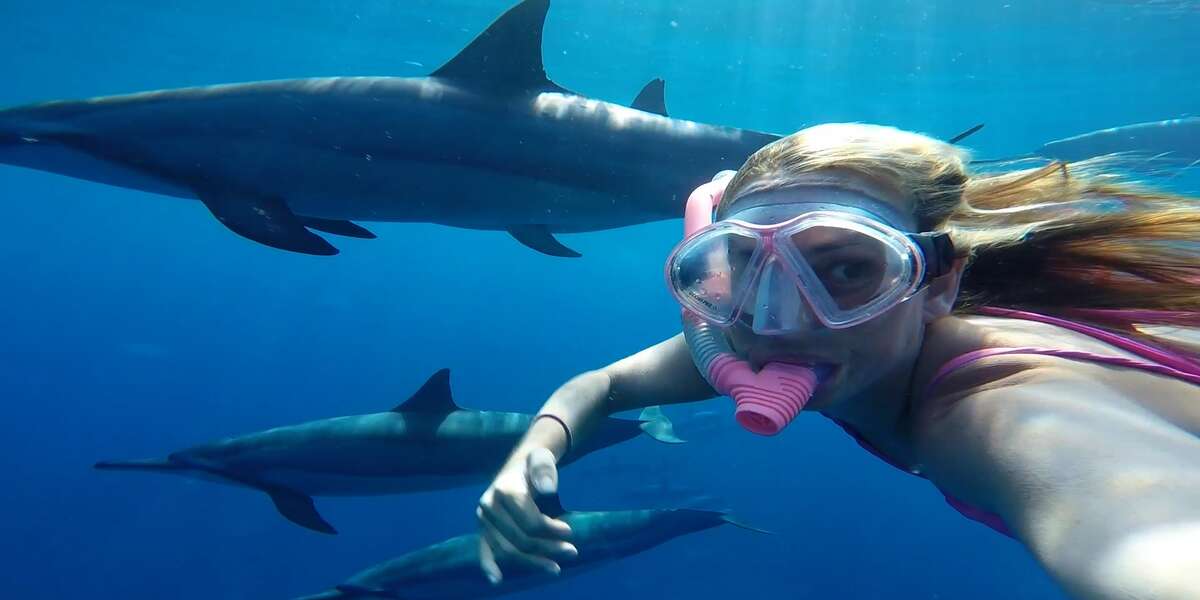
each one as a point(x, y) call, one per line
point(450, 569)
point(426, 443)
point(487, 141)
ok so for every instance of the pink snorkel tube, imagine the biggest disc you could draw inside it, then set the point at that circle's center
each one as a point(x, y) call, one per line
point(765, 401)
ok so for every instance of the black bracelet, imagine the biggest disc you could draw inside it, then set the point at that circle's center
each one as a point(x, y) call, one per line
point(566, 430)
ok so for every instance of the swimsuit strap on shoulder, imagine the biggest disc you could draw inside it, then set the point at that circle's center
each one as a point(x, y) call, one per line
point(1156, 360)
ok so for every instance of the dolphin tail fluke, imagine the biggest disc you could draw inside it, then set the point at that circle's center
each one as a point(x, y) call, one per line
point(299, 509)
point(161, 465)
point(656, 425)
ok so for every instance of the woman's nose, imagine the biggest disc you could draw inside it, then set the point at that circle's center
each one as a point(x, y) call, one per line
point(779, 308)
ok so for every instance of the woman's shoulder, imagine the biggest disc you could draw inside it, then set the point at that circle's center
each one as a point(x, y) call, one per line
point(973, 356)
point(965, 352)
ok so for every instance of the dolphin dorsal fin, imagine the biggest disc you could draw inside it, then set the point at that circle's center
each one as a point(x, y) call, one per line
point(653, 98)
point(433, 397)
point(506, 58)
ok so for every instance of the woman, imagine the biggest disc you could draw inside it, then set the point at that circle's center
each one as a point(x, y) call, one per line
point(940, 316)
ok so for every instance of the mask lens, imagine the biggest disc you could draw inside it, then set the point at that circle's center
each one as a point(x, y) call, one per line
point(855, 268)
point(709, 272)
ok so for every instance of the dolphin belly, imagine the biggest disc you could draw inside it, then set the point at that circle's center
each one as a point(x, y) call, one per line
point(461, 196)
point(314, 483)
point(61, 159)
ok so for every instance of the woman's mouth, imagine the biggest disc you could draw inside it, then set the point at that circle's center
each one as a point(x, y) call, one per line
point(827, 370)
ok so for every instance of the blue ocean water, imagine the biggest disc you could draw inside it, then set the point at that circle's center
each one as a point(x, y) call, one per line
point(135, 324)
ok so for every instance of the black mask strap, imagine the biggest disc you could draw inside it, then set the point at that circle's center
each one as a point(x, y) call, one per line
point(938, 251)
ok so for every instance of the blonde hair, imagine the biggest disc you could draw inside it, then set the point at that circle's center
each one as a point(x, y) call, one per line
point(1061, 238)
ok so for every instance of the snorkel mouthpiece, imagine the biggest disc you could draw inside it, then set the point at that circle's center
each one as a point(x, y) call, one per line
point(765, 401)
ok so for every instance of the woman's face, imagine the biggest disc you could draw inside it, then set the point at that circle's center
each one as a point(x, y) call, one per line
point(877, 351)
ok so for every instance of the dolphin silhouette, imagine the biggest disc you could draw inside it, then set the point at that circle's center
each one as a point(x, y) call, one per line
point(450, 569)
point(487, 141)
point(426, 443)
point(1173, 141)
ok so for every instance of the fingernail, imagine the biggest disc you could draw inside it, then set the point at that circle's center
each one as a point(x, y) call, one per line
point(571, 549)
point(555, 570)
point(493, 579)
point(544, 483)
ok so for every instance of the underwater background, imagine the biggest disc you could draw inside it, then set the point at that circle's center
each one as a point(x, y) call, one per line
point(133, 324)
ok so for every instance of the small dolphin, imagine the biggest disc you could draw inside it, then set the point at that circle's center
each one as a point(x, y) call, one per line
point(450, 569)
point(1175, 141)
point(425, 443)
point(487, 141)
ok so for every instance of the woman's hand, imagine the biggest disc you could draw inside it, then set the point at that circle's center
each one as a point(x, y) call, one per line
point(513, 530)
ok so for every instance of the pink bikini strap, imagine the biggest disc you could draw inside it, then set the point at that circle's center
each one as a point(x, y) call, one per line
point(1175, 360)
point(965, 359)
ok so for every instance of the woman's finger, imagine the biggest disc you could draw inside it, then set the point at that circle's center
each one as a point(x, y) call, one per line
point(541, 472)
point(503, 549)
point(487, 561)
point(532, 521)
point(527, 529)
point(541, 476)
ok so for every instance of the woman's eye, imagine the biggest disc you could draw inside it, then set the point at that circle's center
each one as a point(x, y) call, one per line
point(847, 273)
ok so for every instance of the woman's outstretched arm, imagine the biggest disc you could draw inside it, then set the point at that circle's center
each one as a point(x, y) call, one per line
point(1105, 494)
point(512, 528)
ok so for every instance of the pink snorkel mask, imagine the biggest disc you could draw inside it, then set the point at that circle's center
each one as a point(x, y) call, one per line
point(765, 401)
point(813, 264)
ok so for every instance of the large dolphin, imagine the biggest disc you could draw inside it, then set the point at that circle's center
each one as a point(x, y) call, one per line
point(450, 569)
point(487, 141)
point(425, 443)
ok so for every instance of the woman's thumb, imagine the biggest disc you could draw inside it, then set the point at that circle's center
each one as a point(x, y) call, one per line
point(541, 471)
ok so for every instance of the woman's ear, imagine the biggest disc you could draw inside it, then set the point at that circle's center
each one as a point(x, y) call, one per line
point(943, 291)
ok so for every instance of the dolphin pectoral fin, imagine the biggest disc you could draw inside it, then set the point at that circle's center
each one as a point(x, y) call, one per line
point(506, 59)
point(656, 425)
point(266, 220)
point(162, 465)
point(737, 523)
point(964, 135)
point(652, 98)
point(333, 594)
point(336, 227)
point(299, 509)
point(539, 238)
point(294, 506)
point(349, 590)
